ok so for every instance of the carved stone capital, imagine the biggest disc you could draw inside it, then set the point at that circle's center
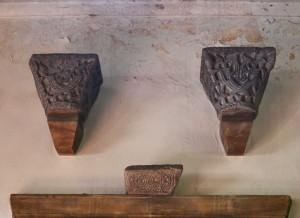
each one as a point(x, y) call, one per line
point(234, 79)
point(68, 85)
point(152, 179)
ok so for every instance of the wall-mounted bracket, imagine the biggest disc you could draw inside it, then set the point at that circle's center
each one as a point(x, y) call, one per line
point(234, 79)
point(68, 85)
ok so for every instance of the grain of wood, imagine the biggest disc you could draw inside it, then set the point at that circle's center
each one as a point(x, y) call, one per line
point(58, 206)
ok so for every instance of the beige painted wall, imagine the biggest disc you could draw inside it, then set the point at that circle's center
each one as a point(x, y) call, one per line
point(152, 108)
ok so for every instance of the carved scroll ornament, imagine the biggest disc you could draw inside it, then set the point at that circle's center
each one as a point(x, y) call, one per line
point(68, 85)
point(234, 79)
point(152, 179)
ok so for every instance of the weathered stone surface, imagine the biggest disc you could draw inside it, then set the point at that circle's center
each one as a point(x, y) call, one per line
point(234, 79)
point(68, 85)
point(152, 179)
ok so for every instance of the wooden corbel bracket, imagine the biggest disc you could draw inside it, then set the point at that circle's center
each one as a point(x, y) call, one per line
point(68, 85)
point(234, 79)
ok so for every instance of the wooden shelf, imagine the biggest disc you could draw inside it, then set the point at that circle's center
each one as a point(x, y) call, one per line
point(67, 206)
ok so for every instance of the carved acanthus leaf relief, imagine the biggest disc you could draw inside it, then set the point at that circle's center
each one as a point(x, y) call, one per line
point(67, 81)
point(235, 78)
point(152, 179)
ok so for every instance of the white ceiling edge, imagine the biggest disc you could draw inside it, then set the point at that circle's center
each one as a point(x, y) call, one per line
point(156, 1)
point(26, 8)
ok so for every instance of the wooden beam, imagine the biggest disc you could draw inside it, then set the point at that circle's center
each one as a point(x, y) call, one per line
point(67, 206)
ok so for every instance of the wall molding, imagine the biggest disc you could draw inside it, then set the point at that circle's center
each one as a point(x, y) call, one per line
point(25, 8)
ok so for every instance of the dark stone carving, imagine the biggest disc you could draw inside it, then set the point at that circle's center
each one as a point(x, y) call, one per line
point(68, 85)
point(152, 179)
point(67, 81)
point(234, 79)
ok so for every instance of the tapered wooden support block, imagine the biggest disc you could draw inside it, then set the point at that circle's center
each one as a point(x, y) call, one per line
point(68, 85)
point(88, 206)
point(234, 135)
point(66, 131)
point(234, 79)
point(152, 179)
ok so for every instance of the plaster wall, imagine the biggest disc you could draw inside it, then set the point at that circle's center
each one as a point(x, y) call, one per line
point(152, 108)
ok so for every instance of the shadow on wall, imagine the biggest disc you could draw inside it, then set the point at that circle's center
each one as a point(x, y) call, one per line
point(279, 106)
point(294, 209)
point(266, 125)
point(102, 120)
point(94, 121)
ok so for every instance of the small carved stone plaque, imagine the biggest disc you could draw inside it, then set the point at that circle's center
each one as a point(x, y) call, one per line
point(152, 179)
point(234, 79)
point(68, 85)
